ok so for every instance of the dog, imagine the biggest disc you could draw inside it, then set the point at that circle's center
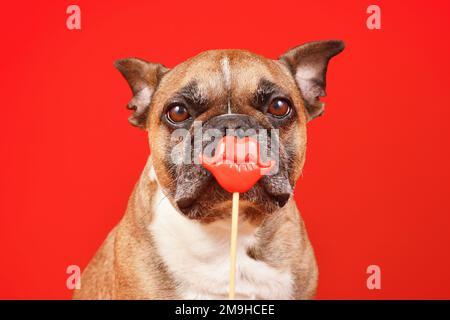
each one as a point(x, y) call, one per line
point(173, 241)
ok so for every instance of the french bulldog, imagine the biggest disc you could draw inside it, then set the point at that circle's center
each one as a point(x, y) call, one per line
point(173, 241)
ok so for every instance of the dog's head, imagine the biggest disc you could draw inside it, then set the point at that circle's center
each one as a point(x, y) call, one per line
point(223, 91)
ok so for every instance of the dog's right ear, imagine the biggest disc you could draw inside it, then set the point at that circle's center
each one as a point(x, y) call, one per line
point(143, 78)
point(308, 64)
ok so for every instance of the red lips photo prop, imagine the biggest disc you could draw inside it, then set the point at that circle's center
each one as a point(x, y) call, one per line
point(237, 164)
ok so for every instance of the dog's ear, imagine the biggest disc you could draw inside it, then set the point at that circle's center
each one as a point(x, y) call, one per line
point(143, 78)
point(308, 64)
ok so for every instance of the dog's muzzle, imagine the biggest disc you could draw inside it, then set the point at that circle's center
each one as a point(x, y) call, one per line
point(193, 179)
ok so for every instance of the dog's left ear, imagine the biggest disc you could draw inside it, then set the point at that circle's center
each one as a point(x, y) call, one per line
point(143, 78)
point(308, 64)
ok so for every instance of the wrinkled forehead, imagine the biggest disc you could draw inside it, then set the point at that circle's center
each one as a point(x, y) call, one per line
point(226, 73)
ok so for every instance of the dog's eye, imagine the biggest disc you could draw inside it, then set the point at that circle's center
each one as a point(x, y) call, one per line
point(177, 113)
point(279, 108)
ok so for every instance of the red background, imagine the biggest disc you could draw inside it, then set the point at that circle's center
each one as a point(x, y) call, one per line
point(375, 186)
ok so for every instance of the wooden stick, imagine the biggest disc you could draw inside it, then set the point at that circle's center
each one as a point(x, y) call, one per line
point(234, 234)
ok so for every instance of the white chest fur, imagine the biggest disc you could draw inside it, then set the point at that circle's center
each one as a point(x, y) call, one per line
point(198, 258)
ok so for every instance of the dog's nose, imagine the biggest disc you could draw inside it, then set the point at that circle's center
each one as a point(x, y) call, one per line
point(233, 124)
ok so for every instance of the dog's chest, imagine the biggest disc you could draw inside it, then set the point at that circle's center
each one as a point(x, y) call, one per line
point(197, 256)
